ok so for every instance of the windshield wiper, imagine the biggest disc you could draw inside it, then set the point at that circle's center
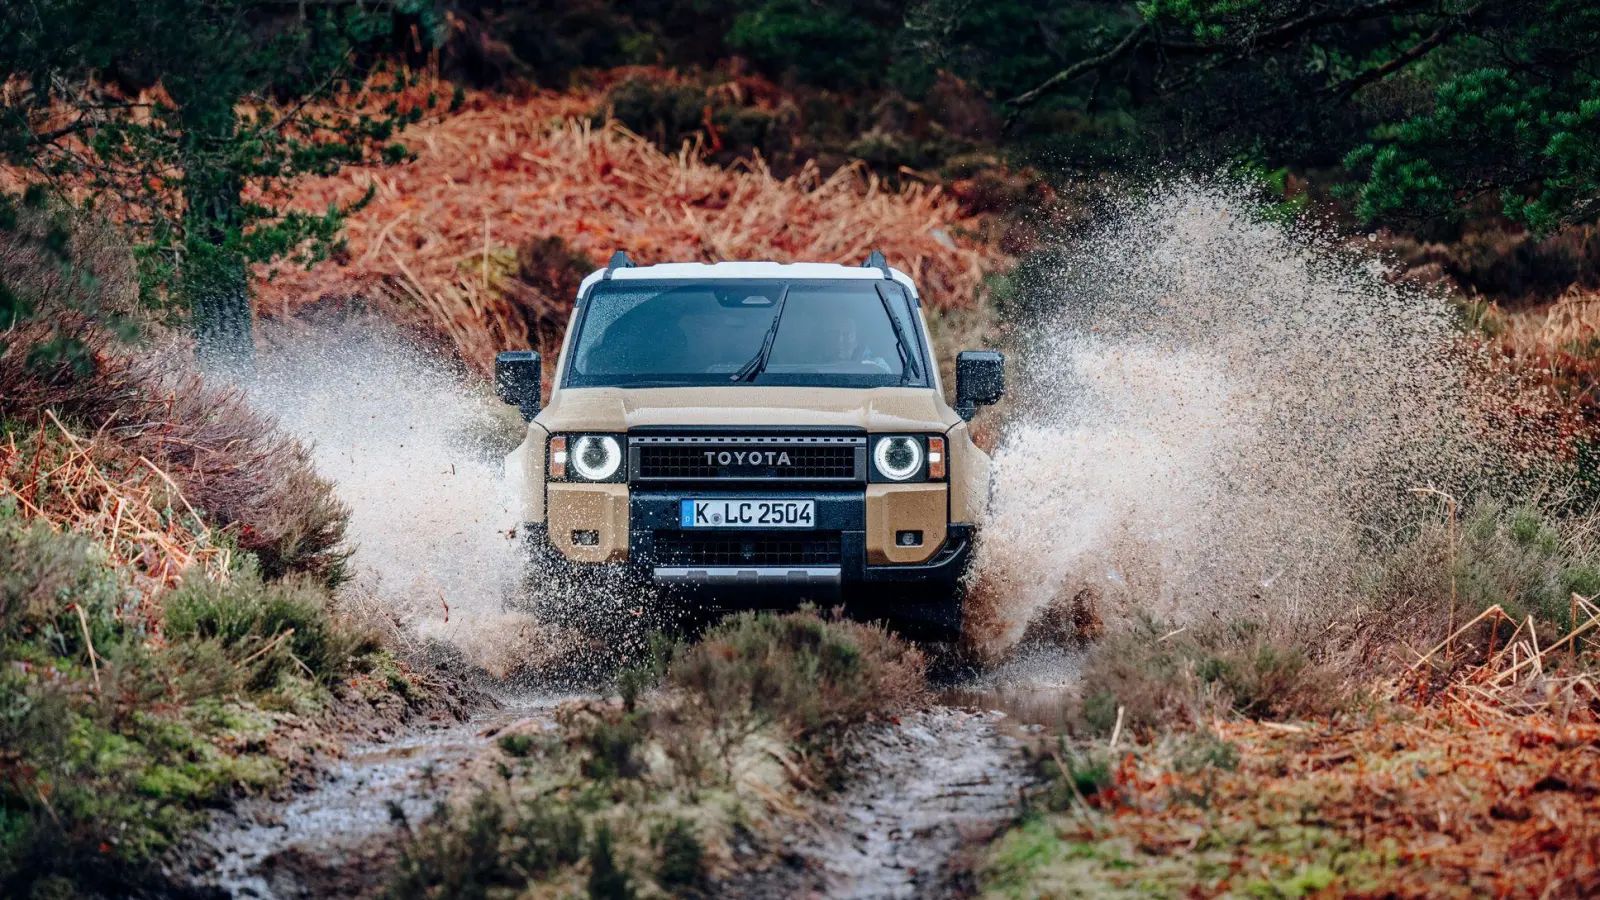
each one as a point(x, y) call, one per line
point(908, 362)
point(758, 363)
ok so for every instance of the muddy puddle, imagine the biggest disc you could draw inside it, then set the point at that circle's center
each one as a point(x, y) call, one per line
point(337, 833)
point(1033, 691)
point(929, 785)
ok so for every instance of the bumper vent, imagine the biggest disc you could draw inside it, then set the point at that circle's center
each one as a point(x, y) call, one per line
point(748, 548)
point(691, 458)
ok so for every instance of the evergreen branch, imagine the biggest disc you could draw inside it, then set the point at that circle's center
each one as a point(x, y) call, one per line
point(1418, 51)
point(1277, 35)
point(1070, 73)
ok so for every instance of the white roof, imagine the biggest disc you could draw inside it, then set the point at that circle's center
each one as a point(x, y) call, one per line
point(745, 270)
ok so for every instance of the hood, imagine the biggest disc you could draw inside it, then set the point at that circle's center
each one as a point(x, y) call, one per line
point(874, 409)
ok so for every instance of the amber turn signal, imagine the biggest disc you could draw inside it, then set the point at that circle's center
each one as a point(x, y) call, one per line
point(935, 457)
point(558, 458)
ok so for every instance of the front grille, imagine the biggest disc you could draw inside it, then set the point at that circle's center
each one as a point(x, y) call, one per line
point(679, 463)
point(748, 548)
point(713, 458)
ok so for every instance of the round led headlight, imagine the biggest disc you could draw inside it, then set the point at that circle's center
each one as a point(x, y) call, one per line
point(898, 458)
point(596, 457)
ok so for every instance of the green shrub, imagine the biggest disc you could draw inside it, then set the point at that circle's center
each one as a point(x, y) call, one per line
point(104, 763)
point(613, 748)
point(517, 744)
point(1158, 677)
point(680, 858)
point(1069, 776)
point(804, 672)
point(44, 578)
point(490, 844)
point(607, 881)
point(1436, 576)
point(275, 628)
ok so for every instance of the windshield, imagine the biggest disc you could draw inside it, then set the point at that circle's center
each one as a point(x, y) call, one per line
point(682, 333)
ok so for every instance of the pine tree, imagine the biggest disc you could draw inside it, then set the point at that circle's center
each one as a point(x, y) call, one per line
point(181, 118)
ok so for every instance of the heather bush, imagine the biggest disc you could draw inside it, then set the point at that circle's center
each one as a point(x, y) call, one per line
point(807, 674)
point(108, 741)
point(1438, 573)
point(70, 310)
point(1158, 675)
point(274, 628)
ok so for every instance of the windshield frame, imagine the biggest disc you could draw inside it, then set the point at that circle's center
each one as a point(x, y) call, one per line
point(898, 294)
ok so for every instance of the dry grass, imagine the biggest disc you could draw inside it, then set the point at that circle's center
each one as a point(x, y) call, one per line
point(1433, 801)
point(1479, 783)
point(504, 172)
point(1557, 345)
point(133, 416)
point(58, 478)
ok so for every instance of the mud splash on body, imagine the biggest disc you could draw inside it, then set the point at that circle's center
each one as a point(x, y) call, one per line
point(1214, 407)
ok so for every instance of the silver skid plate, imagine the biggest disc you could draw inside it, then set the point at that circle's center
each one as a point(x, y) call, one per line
point(753, 576)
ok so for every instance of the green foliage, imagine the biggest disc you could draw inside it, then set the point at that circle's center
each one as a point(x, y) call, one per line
point(613, 748)
point(1068, 776)
point(1522, 557)
point(1428, 106)
point(243, 107)
point(827, 44)
point(607, 881)
point(1158, 675)
point(516, 744)
point(809, 674)
point(1535, 140)
point(111, 745)
point(680, 858)
point(60, 267)
point(491, 844)
point(276, 628)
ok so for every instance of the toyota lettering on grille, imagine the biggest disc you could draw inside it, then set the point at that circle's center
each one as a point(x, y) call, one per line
point(801, 457)
point(747, 458)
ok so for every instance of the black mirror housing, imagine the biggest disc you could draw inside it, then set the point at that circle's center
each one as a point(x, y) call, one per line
point(519, 380)
point(980, 380)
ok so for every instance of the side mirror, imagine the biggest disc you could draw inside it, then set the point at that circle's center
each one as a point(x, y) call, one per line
point(980, 380)
point(518, 379)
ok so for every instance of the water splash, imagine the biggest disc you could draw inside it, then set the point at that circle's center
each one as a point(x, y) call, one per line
point(1214, 408)
point(415, 449)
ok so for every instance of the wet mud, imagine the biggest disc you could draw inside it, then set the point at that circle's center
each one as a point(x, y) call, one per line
point(931, 784)
point(337, 838)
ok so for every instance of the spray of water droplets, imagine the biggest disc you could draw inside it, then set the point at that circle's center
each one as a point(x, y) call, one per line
point(1212, 409)
point(416, 452)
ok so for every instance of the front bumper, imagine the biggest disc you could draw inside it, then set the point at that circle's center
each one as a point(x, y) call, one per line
point(831, 556)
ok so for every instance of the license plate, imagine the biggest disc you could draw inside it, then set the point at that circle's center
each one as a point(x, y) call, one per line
point(749, 514)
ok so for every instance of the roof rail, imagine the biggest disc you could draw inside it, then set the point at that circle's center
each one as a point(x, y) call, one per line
point(619, 260)
point(875, 260)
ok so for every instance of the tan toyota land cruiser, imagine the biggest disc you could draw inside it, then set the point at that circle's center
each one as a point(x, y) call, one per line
point(750, 434)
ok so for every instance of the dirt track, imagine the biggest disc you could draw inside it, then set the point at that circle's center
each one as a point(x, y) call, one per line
point(925, 786)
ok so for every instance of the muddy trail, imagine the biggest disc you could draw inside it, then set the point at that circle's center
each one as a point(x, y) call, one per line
point(922, 788)
point(336, 837)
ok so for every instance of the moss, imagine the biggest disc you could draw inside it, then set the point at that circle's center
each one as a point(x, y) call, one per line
point(106, 766)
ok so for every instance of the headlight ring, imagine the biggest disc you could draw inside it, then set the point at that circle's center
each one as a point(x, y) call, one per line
point(596, 457)
point(898, 458)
